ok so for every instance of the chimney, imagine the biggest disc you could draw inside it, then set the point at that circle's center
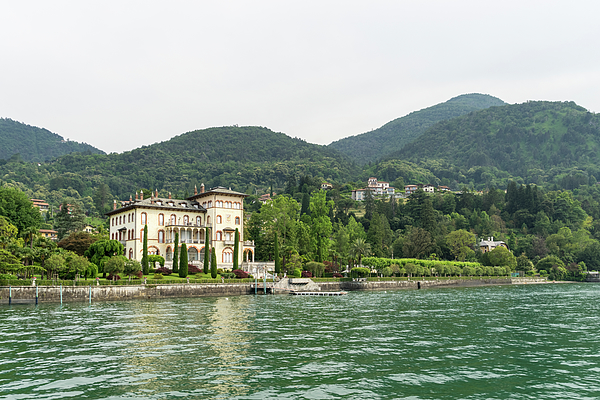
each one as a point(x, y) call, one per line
point(169, 194)
point(202, 188)
point(130, 199)
point(156, 193)
point(136, 196)
point(195, 190)
point(141, 195)
point(114, 204)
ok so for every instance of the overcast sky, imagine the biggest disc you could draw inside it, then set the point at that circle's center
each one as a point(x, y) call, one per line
point(122, 74)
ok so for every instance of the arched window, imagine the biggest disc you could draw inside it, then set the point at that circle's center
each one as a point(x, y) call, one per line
point(208, 220)
point(227, 256)
point(161, 236)
point(169, 254)
point(120, 220)
point(141, 235)
point(218, 219)
point(144, 215)
point(198, 221)
point(192, 254)
point(173, 219)
point(237, 220)
point(186, 220)
point(130, 254)
point(219, 235)
point(161, 219)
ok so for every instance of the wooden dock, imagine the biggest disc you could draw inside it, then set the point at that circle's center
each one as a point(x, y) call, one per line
point(318, 293)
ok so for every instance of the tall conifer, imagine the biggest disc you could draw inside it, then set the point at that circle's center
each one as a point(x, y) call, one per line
point(183, 262)
point(276, 255)
point(213, 264)
point(236, 248)
point(206, 252)
point(145, 267)
point(176, 254)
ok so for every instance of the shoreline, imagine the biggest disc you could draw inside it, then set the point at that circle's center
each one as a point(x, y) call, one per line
point(57, 294)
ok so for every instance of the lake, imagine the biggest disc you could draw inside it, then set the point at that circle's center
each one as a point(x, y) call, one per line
point(496, 342)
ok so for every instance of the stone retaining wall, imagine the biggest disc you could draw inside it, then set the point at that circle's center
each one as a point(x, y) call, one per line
point(51, 294)
point(48, 294)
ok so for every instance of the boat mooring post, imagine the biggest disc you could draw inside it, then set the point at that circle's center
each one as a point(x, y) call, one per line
point(9, 295)
point(36, 295)
point(255, 284)
point(265, 278)
point(61, 295)
point(90, 295)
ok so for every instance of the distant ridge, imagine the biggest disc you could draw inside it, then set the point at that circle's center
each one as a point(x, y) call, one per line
point(394, 135)
point(36, 144)
point(537, 142)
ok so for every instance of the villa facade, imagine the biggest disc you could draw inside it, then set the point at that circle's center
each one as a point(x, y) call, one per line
point(206, 217)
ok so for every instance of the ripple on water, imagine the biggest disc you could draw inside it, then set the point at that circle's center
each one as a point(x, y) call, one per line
point(527, 342)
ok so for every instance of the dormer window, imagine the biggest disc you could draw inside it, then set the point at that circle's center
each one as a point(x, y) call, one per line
point(183, 205)
point(171, 203)
point(159, 202)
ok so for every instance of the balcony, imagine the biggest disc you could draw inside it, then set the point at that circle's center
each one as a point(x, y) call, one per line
point(229, 242)
point(188, 225)
point(186, 241)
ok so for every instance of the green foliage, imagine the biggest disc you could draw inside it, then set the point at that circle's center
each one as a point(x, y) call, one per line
point(132, 267)
point(461, 243)
point(316, 268)
point(359, 272)
point(36, 144)
point(115, 265)
point(394, 135)
point(541, 142)
point(145, 265)
point(183, 262)
point(206, 252)
point(213, 264)
point(78, 242)
point(236, 249)
point(176, 254)
point(69, 219)
point(16, 207)
point(101, 251)
point(153, 259)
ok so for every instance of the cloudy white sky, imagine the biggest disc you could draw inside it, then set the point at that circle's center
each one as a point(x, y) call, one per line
point(122, 74)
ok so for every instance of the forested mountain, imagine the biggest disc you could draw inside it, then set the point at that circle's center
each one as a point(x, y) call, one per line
point(394, 135)
point(36, 144)
point(539, 142)
point(239, 157)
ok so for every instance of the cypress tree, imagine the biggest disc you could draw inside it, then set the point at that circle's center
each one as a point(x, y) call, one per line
point(183, 262)
point(236, 248)
point(176, 253)
point(145, 267)
point(277, 263)
point(213, 264)
point(206, 252)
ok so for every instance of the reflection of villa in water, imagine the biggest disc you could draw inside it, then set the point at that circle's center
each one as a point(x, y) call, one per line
point(217, 212)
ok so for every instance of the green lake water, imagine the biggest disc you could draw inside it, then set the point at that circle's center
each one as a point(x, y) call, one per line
point(501, 342)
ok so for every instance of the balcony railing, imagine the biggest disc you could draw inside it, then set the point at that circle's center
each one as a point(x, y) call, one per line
point(188, 225)
point(187, 241)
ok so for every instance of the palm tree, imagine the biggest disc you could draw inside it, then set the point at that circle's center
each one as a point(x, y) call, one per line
point(359, 248)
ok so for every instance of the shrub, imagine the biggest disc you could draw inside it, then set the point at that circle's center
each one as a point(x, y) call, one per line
point(240, 274)
point(111, 277)
point(297, 273)
point(158, 276)
point(163, 271)
point(139, 274)
point(307, 274)
point(7, 276)
point(228, 275)
point(192, 269)
point(220, 270)
point(337, 275)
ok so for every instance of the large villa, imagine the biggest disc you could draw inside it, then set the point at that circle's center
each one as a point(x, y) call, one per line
point(211, 216)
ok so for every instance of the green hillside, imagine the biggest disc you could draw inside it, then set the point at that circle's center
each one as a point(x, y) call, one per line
point(391, 137)
point(239, 157)
point(36, 144)
point(536, 142)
